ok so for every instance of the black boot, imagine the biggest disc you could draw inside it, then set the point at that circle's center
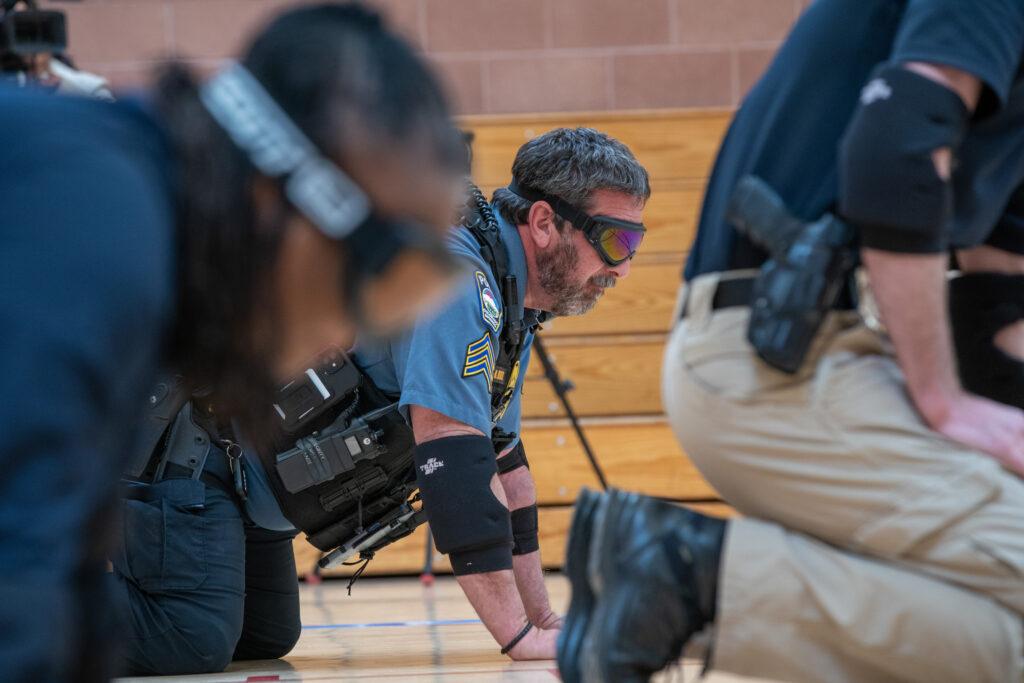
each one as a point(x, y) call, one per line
point(654, 568)
point(577, 555)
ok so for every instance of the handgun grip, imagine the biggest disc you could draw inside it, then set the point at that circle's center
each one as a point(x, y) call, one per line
point(757, 211)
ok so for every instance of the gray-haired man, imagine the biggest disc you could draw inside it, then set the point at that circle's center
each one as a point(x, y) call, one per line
point(568, 225)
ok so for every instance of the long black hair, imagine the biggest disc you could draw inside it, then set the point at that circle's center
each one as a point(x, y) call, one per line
point(337, 71)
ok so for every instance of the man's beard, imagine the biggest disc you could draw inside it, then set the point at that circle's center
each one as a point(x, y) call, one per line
point(555, 274)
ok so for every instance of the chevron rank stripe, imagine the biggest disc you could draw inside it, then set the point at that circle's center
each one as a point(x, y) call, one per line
point(480, 358)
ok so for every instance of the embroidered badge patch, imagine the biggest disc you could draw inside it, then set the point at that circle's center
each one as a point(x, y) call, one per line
point(480, 358)
point(489, 310)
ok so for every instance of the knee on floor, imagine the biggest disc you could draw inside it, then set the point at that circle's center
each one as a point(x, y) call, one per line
point(270, 645)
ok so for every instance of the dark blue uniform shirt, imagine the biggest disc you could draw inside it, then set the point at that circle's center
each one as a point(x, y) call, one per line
point(86, 274)
point(788, 129)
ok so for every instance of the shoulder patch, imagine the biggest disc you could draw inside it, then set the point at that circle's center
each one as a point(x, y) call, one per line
point(480, 358)
point(489, 310)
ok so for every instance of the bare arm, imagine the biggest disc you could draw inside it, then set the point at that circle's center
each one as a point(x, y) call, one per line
point(911, 294)
point(494, 595)
point(910, 288)
point(529, 572)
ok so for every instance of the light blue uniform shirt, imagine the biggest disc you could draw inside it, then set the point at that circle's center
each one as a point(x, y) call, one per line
point(444, 363)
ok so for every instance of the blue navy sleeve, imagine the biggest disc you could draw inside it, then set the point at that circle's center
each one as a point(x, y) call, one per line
point(982, 37)
point(446, 363)
point(85, 295)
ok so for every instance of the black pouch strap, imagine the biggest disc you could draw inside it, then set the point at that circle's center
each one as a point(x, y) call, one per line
point(515, 459)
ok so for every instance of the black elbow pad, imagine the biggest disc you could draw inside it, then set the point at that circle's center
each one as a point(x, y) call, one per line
point(888, 185)
point(466, 519)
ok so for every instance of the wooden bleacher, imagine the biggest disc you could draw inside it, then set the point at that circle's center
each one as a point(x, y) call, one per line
point(613, 354)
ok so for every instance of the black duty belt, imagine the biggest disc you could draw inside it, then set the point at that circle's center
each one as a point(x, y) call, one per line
point(728, 293)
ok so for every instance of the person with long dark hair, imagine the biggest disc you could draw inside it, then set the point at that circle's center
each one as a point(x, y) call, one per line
point(228, 231)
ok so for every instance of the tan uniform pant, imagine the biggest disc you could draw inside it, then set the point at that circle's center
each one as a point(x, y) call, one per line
point(874, 549)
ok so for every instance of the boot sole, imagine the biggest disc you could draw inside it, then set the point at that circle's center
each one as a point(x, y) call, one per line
point(581, 604)
point(618, 514)
point(602, 669)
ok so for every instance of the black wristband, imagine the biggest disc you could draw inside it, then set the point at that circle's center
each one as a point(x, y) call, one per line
point(515, 641)
point(524, 530)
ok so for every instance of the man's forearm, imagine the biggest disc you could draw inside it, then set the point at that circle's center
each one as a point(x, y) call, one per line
point(529, 574)
point(911, 294)
point(495, 597)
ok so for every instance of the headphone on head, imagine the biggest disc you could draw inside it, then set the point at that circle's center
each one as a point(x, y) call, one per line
point(385, 257)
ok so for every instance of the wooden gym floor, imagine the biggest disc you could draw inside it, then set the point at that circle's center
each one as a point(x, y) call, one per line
point(393, 630)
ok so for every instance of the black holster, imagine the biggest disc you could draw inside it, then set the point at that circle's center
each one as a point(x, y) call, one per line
point(808, 270)
point(168, 436)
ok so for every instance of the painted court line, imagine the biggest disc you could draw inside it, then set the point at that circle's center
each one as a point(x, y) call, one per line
point(396, 624)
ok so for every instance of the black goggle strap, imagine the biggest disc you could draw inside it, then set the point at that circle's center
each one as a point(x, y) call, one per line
point(591, 226)
point(579, 219)
point(278, 149)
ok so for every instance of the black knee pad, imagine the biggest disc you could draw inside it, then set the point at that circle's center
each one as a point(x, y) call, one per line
point(524, 530)
point(515, 459)
point(467, 521)
point(981, 304)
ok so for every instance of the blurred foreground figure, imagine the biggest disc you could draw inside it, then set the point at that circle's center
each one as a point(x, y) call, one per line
point(229, 231)
point(883, 536)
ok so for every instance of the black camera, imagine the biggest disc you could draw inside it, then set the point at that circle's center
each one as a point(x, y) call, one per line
point(809, 267)
point(27, 32)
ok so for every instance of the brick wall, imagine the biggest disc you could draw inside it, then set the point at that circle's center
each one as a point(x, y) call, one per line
point(498, 56)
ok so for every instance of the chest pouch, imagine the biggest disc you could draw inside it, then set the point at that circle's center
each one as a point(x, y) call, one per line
point(345, 472)
point(332, 382)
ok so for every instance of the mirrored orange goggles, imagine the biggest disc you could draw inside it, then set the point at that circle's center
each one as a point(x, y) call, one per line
point(615, 240)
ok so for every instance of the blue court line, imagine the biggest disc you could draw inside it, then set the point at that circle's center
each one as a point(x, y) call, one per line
point(397, 624)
